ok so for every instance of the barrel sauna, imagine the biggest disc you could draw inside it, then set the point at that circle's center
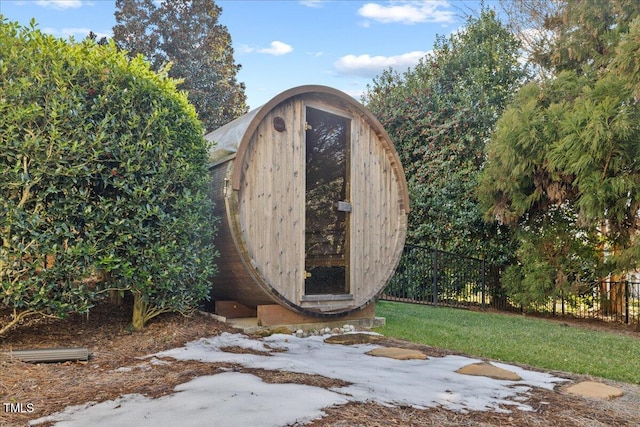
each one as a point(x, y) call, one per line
point(313, 204)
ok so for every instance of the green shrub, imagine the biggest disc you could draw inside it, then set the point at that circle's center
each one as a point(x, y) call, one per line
point(104, 181)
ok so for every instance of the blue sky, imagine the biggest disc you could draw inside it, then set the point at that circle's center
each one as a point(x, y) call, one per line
point(283, 44)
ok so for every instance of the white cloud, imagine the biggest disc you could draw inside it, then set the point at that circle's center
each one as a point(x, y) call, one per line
point(276, 48)
point(60, 4)
point(312, 3)
point(370, 66)
point(77, 33)
point(408, 12)
point(354, 93)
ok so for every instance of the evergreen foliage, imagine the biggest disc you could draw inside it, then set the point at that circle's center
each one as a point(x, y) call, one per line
point(187, 35)
point(440, 115)
point(582, 35)
point(104, 181)
point(570, 142)
point(555, 259)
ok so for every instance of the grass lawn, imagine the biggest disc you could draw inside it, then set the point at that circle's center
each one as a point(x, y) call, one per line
point(515, 339)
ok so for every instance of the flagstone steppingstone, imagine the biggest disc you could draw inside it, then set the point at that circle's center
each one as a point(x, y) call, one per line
point(490, 371)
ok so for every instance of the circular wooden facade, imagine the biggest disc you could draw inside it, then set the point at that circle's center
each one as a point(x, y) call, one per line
point(313, 204)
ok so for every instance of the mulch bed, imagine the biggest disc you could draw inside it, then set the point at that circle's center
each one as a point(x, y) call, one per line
point(113, 346)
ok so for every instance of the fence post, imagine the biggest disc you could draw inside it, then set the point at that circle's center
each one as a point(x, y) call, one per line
point(434, 276)
point(626, 302)
point(484, 282)
point(403, 288)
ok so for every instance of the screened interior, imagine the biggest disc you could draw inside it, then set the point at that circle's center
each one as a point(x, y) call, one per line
point(326, 206)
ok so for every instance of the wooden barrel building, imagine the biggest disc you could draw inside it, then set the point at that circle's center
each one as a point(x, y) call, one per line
point(313, 204)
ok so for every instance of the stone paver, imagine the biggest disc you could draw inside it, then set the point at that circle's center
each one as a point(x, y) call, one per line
point(488, 370)
point(595, 390)
point(349, 339)
point(397, 353)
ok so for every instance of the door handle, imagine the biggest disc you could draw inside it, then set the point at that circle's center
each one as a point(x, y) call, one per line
point(344, 206)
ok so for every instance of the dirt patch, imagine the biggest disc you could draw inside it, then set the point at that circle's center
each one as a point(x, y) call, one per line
point(242, 350)
point(118, 366)
point(50, 387)
point(284, 377)
point(549, 408)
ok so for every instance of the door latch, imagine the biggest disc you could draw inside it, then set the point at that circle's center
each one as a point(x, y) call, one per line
point(344, 207)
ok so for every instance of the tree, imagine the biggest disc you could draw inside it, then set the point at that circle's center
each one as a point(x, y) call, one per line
point(440, 115)
point(527, 21)
point(584, 33)
point(555, 258)
point(560, 35)
point(571, 140)
point(187, 35)
point(105, 181)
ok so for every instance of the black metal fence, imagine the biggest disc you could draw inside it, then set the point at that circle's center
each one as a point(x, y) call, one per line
point(430, 276)
point(607, 300)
